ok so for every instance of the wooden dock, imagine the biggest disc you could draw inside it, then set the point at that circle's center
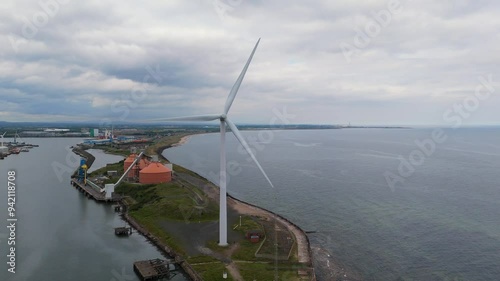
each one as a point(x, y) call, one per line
point(91, 192)
point(152, 269)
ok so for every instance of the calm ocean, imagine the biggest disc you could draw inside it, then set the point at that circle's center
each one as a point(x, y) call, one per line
point(441, 223)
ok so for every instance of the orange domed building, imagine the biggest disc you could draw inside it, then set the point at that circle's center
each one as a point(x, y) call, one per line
point(155, 173)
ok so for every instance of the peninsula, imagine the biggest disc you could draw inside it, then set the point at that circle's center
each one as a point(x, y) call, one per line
point(181, 218)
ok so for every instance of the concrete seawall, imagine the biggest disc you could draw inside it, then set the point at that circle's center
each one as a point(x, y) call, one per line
point(310, 260)
point(90, 158)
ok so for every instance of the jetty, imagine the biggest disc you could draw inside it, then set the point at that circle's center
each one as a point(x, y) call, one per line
point(152, 269)
point(92, 192)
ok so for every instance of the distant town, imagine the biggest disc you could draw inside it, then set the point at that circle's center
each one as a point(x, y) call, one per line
point(100, 131)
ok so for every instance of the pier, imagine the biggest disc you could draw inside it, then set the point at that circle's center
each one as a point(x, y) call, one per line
point(91, 192)
point(152, 269)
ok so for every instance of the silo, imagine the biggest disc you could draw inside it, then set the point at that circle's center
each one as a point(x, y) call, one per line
point(130, 159)
point(155, 173)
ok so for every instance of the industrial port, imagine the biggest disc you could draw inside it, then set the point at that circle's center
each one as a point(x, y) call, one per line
point(14, 147)
point(145, 181)
point(137, 168)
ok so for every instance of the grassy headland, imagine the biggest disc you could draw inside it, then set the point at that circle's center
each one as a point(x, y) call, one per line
point(183, 214)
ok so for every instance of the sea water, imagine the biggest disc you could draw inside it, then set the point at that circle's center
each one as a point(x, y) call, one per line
point(439, 221)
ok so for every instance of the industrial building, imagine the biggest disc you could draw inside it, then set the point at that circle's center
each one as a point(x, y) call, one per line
point(155, 173)
point(147, 172)
point(134, 172)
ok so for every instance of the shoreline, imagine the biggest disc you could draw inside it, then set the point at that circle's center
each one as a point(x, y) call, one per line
point(183, 140)
point(303, 245)
point(304, 251)
point(306, 254)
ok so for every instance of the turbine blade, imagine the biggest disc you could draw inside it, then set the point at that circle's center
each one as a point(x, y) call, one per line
point(240, 138)
point(236, 86)
point(188, 118)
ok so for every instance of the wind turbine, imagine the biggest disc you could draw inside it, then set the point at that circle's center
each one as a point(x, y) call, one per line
point(223, 119)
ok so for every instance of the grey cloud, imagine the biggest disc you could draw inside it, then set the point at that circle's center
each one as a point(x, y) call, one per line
point(90, 53)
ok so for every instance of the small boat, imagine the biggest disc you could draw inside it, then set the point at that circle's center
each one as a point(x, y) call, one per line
point(24, 149)
point(15, 150)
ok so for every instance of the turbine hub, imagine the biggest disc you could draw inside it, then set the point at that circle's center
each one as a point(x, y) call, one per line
point(223, 117)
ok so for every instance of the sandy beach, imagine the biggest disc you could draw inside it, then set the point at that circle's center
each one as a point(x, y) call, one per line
point(182, 141)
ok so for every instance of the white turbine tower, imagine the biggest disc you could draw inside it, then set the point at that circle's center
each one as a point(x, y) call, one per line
point(223, 121)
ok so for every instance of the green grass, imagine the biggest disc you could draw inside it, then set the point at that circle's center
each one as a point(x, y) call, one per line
point(246, 251)
point(152, 225)
point(110, 167)
point(265, 271)
point(182, 170)
point(214, 246)
point(151, 204)
point(247, 224)
point(113, 150)
point(200, 259)
point(212, 271)
point(168, 201)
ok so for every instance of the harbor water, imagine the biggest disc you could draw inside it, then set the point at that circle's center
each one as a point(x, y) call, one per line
point(60, 233)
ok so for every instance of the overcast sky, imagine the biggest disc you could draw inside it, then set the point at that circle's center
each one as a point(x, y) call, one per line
point(328, 62)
